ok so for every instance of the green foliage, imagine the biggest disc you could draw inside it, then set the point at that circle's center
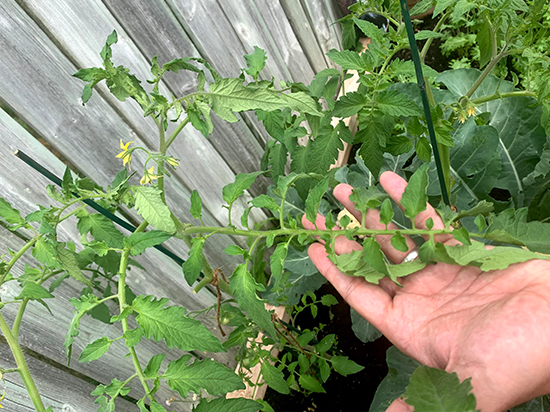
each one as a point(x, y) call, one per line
point(150, 206)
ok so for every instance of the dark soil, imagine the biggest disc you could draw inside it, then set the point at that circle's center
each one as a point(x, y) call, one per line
point(353, 393)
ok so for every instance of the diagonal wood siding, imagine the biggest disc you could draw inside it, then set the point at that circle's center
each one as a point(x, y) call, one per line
point(43, 42)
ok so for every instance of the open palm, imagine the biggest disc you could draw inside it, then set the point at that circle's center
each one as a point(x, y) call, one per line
point(491, 326)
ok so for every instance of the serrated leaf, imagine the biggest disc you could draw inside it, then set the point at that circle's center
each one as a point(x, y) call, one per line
point(133, 337)
point(396, 104)
point(277, 261)
point(441, 5)
point(82, 305)
point(173, 326)
point(95, 349)
point(196, 205)
point(432, 389)
point(193, 265)
point(150, 206)
point(345, 366)
point(367, 198)
point(245, 289)
point(370, 30)
point(490, 259)
point(265, 201)
point(274, 378)
point(151, 371)
point(299, 262)
point(314, 199)
point(34, 291)
point(374, 133)
point(230, 95)
point(45, 252)
point(511, 226)
point(243, 181)
point(9, 214)
point(309, 383)
point(350, 60)
point(255, 62)
point(227, 405)
point(353, 264)
point(414, 198)
point(68, 262)
point(207, 375)
point(138, 242)
point(374, 256)
point(349, 104)
point(386, 212)
point(102, 229)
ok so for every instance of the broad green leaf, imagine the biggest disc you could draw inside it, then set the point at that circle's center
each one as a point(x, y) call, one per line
point(207, 375)
point(414, 198)
point(370, 30)
point(133, 337)
point(277, 261)
point(350, 60)
point(421, 7)
point(427, 34)
point(265, 201)
point(362, 328)
point(483, 208)
point(227, 405)
point(243, 181)
point(82, 305)
point(255, 62)
point(138, 242)
point(151, 371)
point(484, 40)
point(196, 205)
point(353, 264)
point(374, 133)
point(539, 404)
point(432, 389)
point(401, 367)
point(314, 199)
point(490, 259)
point(34, 291)
point(349, 104)
point(95, 349)
point(179, 64)
point(367, 198)
point(386, 212)
point(102, 229)
point(517, 120)
point(115, 388)
point(150, 206)
point(9, 214)
point(274, 378)
point(193, 265)
point(322, 152)
point(100, 248)
point(462, 235)
point(299, 262)
point(170, 323)
point(345, 366)
point(423, 149)
point(310, 383)
point(374, 255)
point(245, 289)
point(230, 95)
point(511, 226)
point(399, 242)
point(68, 262)
point(396, 104)
point(441, 5)
point(45, 252)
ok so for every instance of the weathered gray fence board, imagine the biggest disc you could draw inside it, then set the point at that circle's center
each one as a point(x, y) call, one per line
point(85, 134)
point(64, 392)
point(163, 277)
point(43, 43)
point(156, 32)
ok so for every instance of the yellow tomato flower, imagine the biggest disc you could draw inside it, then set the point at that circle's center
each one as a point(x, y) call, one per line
point(471, 111)
point(124, 155)
point(148, 176)
point(172, 161)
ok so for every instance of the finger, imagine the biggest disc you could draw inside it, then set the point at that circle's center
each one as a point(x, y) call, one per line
point(369, 300)
point(395, 185)
point(342, 192)
point(399, 405)
point(342, 245)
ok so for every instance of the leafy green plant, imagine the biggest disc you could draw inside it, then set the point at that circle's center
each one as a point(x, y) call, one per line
point(478, 155)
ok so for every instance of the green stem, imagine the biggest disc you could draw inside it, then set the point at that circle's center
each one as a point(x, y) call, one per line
point(19, 317)
point(123, 305)
point(486, 72)
point(429, 41)
point(485, 99)
point(176, 132)
point(16, 257)
point(22, 366)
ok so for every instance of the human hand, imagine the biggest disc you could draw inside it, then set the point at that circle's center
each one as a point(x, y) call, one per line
point(490, 326)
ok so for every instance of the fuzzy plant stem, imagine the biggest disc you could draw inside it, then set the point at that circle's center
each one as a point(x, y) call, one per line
point(22, 366)
point(425, 103)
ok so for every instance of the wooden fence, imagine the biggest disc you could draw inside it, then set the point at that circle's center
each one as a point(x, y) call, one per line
point(42, 43)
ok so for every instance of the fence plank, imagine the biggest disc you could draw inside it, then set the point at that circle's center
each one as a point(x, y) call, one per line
point(62, 391)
